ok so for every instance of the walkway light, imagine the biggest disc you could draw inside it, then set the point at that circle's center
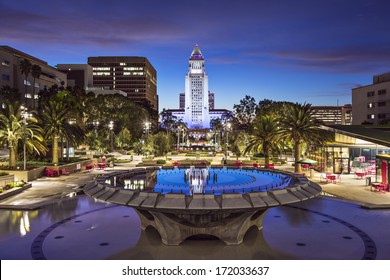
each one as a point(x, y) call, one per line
point(25, 116)
point(111, 127)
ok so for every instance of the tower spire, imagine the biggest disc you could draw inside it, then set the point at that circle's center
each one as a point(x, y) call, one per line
point(196, 53)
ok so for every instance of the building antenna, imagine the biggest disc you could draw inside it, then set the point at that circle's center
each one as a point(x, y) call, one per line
point(337, 103)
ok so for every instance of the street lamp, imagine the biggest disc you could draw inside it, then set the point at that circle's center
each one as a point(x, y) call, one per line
point(25, 116)
point(111, 127)
point(178, 138)
point(227, 141)
point(147, 128)
point(95, 126)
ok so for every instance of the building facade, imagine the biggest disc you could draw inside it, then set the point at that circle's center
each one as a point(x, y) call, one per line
point(333, 114)
point(182, 100)
point(11, 75)
point(196, 110)
point(78, 75)
point(371, 103)
point(134, 75)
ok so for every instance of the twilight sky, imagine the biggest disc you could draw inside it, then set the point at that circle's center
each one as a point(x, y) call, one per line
point(302, 50)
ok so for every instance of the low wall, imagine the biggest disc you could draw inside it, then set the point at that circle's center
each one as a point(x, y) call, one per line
point(27, 175)
point(75, 166)
point(31, 175)
point(13, 191)
point(4, 180)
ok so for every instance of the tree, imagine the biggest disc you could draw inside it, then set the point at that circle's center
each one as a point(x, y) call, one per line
point(267, 107)
point(162, 143)
point(245, 112)
point(167, 120)
point(238, 142)
point(36, 71)
point(12, 132)
point(298, 125)
point(123, 139)
point(216, 127)
point(265, 137)
point(55, 123)
point(25, 68)
point(9, 94)
point(116, 108)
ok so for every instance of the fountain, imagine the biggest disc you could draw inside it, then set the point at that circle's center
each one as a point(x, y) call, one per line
point(219, 202)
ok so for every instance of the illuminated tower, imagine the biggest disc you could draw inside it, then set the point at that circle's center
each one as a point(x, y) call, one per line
point(197, 93)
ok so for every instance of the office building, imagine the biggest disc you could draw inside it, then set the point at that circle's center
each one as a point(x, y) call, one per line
point(333, 114)
point(371, 103)
point(134, 75)
point(78, 75)
point(11, 75)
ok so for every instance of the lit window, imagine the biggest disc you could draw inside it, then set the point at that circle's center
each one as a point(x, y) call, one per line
point(5, 63)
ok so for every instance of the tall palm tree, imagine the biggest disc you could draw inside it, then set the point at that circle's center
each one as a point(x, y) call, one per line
point(25, 68)
point(55, 116)
point(36, 71)
point(12, 131)
point(299, 126)
point(265, 137)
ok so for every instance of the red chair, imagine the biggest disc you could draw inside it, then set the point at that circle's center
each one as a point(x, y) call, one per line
point(51, 173)
point(64, 172)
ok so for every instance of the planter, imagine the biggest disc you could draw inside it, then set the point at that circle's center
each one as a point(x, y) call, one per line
point(31, 175)
point(13, 191)
point(4, 180)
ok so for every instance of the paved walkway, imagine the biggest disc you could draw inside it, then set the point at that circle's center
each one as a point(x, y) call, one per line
point(46, 190)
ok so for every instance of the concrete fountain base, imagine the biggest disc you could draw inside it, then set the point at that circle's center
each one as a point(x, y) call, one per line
point(228, 227)
point(178, 216)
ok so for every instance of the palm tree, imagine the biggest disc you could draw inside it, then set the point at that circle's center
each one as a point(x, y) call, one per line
point(299, 126)
point(25, 68)
point(12, 131)
point(36, 71)
point(55, 122)
point(266, 137)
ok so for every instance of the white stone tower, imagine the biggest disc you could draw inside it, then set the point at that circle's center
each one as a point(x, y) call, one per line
point(197, 93)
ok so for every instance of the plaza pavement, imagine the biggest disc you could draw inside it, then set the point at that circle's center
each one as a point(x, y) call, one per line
point(46, 190)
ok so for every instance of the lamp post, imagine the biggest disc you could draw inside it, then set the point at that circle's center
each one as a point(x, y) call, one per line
point(111, 127)
point(95, 126)
point(178, 138)
point(227, 141)
point(25, 116)
point(147, 128)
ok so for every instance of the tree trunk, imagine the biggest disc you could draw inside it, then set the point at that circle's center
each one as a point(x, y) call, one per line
point(297, 156)
point(33, 96)
point(55, 149)
point(12, 156)
point(62, 149)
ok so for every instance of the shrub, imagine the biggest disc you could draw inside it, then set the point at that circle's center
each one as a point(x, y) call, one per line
point(1, 189)
point(14, 185)
point(3, 173)
point(161, 161)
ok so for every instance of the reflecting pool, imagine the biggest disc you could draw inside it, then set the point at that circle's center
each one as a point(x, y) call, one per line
point(206, 180)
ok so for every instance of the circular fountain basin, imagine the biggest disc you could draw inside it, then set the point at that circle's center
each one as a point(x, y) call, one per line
point(180, 206)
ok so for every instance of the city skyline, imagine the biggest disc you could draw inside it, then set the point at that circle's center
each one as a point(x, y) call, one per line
point(300, 53)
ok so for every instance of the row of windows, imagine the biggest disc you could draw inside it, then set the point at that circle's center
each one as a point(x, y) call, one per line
point(380, 116)
point(380, 92)
point(380, 104)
